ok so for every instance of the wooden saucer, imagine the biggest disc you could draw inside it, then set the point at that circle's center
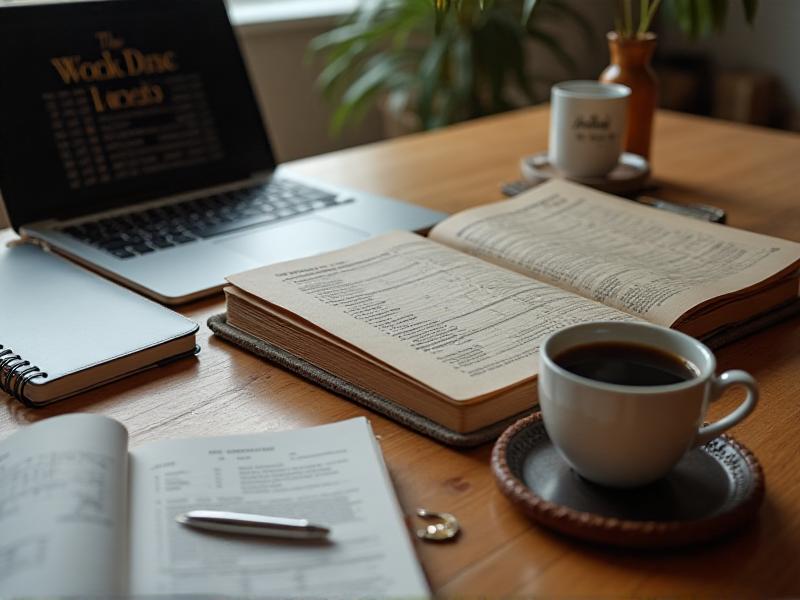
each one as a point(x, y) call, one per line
point(714, 489)
point(628, 177)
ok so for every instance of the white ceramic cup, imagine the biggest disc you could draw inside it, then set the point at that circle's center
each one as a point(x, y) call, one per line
point(587, 127)
point(626, 436)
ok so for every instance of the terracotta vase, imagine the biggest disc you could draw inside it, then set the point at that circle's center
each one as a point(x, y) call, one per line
point(630, 65)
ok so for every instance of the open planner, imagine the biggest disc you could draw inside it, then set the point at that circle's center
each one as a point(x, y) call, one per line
point(450, 326)
point(82, 515)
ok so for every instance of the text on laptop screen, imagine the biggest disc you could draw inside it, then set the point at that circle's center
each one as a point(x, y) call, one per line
point(113, 102)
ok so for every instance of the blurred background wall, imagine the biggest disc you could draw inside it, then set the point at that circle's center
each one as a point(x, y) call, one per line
point(753, 71)
point(275, 47)
point(275, 44)
point(747, 74)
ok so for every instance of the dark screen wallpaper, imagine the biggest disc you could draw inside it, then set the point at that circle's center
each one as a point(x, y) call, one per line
point(112, 102)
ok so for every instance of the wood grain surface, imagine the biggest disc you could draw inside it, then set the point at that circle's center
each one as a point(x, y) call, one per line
point(754, 174)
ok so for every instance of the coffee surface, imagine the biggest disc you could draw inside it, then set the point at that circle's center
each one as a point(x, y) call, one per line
point(626, 364)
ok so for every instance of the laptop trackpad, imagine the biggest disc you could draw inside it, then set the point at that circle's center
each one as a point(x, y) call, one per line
point(293, 240)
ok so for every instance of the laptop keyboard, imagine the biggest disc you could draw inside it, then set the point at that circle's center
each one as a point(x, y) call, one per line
point(135, 234)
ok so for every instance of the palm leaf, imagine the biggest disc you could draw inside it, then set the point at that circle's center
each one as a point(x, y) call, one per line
point(684, 14)
point(697, 17)
point(461, 67)
point(380, 71)
point(339, 68)
point(704, 16)
point(430, 69)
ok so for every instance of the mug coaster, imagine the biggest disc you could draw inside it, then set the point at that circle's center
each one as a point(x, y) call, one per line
point(628, 177)
point(714, 489)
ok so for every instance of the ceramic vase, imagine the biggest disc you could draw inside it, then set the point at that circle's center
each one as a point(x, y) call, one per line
point(631, 65)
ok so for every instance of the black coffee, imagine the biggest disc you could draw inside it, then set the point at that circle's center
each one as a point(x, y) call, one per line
point(626, 364)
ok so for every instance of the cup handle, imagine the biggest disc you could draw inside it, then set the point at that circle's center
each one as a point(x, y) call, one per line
point(718, 386)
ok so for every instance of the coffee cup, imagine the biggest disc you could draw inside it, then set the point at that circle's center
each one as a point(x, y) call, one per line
point(623, 402)
point(587, 127)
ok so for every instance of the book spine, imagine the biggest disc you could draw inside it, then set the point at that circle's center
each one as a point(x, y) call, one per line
point(16, 373)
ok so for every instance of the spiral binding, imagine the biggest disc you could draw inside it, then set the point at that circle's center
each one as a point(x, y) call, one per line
point(16, 373)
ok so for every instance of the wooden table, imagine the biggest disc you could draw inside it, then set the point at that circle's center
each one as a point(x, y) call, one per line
point(754, 174)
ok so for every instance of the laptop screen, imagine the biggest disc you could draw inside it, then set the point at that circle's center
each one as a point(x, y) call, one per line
point(111, 102)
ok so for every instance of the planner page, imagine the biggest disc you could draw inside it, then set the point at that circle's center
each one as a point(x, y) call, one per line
point(332, 475)
point(459, 325)
point(63, 485)
point(648, 263)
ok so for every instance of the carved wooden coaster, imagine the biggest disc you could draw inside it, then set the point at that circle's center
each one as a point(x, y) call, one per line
point(628, 177)
point(714, 489)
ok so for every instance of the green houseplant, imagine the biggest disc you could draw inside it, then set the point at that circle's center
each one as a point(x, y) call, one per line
point(440, 62)
point(695, 17)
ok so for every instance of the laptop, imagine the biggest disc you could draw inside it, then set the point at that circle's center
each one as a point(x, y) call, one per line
point(131, 142)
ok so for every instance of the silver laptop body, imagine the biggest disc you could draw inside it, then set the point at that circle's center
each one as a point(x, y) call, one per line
point(152, 165)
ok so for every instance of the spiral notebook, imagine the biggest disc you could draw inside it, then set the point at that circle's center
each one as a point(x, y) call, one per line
point(64, 330)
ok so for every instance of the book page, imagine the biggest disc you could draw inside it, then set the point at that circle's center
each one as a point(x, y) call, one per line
point(459, 325)
point(647, 262)
point(332, 475)
point(63, 488)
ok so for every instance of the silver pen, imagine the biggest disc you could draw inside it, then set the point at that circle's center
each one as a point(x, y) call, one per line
point(242, 523)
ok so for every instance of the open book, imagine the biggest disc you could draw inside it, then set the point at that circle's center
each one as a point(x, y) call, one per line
point(450, 326)
point(82, 516)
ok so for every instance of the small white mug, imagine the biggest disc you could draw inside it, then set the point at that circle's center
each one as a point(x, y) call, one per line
point(623, 435)
point(587, 127)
